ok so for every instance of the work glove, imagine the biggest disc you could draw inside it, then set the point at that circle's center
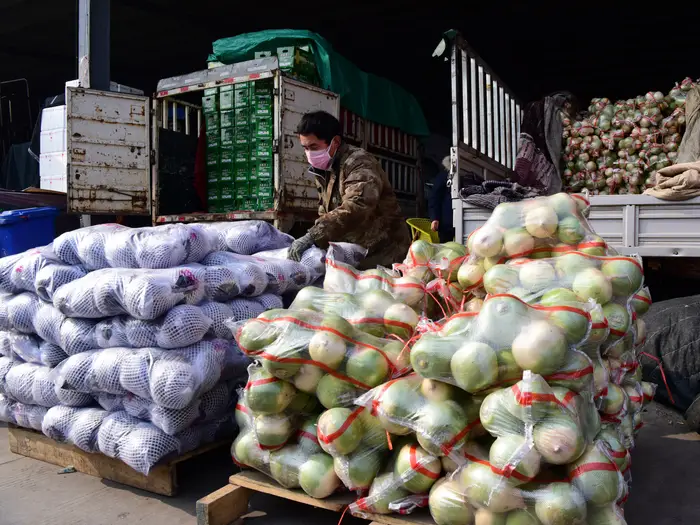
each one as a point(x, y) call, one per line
point(299, 246)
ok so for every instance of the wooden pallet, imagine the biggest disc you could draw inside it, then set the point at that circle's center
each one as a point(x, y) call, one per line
point(229, 503)
point(162, 479)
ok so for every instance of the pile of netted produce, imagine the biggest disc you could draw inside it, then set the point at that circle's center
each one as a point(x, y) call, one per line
point(494, 383)
point(617, 147)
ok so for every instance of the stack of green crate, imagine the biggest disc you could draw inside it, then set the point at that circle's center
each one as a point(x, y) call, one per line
point(239, 127)
point(295, 62)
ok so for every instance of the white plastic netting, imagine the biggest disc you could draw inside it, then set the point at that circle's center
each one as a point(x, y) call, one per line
point(248, 237)
point(229, 275)
point(77, 426)
point(169, 378)
point(30, 348)
point(33, 384)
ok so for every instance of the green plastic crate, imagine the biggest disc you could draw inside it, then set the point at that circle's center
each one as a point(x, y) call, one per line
point(262, 106)
point(227, 137)
point(242, 190)
point(211, 91)
point(242, 173)
point(226, 158)
point(243, 137)
point(228, 118)
point(226, 98)
point(210, 104)
point(250, 203)
point(213, 158)
point(262, 127)
point(242, 116)
point(265, 203)
point(212, 121)
point(241, 154)
point(241, 95)
point(263, 170)
point(263, 149)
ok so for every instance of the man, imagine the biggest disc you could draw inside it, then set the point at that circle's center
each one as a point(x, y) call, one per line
point(440, 204)
point(356, 202)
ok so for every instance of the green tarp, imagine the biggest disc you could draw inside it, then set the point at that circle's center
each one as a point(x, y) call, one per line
point(367, 95)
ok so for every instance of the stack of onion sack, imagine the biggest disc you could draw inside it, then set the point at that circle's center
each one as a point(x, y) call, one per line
point(617, 147)
point(308, 355)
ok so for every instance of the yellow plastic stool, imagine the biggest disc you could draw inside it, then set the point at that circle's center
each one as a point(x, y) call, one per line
point(420, 229)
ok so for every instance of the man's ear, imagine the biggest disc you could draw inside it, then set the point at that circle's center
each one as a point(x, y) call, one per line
point(335, 145)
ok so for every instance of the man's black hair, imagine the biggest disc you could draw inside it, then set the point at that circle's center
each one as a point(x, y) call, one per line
point(324, 125)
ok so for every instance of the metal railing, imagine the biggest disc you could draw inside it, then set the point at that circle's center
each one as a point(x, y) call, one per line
point(177, 115)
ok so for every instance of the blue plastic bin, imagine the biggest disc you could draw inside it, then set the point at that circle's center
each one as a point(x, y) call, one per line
point(21, 230)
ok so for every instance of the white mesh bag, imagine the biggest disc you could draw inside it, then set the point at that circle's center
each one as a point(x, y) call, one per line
point(230, 275)
point(51, 277)
point(28, 416)
point(77, 335)
point(6, 364)
point(21, 310)
point(19, 382)
point(4, 315)
point(269, 301)
point(47, 323)
point(159, 247)
point(182, 326)
point(143, 294)
point(30, 348)
point(76, 426)
point(248, 237)
point(166, 419)
point(110, 402)
point(313, 261)
point(218, 313)
point(111, 332)
point(86, 245)
point(6, 406)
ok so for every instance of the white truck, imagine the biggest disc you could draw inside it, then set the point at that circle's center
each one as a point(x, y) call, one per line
point(486, 118)
point(134, 155)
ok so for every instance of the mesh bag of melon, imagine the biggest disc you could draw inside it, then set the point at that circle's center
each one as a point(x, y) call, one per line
point(75, 426)
point(426, 261)
point(375, 312)
point(313, 259)
point(28, 416)
point(230, 275)
point(405, 482)
point(247, 237)
point(443, 417)
point(479, 351)
point(536, 228)
point(30, 348)
point(86, 246)
point(169, 378)
point(143, 294)
point(322, 355)
point(6, 405)
point(33, 384)
point(343, 278)
point(301, 463)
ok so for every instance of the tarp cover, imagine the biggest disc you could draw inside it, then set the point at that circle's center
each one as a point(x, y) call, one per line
point(673, 337)
point(372, 97)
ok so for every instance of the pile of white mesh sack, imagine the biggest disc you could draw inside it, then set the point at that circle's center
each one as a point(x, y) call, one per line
point(114, 339)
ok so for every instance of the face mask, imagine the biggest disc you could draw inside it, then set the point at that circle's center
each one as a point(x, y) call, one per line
point(320, 159)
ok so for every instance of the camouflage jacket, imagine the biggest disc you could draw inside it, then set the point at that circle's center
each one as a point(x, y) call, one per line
point(358, 205)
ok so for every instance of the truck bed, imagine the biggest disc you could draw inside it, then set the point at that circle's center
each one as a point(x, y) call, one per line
point(632, 224)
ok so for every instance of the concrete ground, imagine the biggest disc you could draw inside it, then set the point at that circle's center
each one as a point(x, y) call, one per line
point(664, 488)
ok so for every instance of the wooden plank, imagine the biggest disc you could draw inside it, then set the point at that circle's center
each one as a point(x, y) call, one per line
point(260, 483)
point(421, 517)
point(223, 506)
point(160, 480)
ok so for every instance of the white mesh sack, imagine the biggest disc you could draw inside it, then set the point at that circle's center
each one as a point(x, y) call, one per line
point(30, 348)
point(218, 314)
point(19, 382)
point(248, 237)
point(7, 265)
point(51, 277)
point(137, 443)
point(4, 315)
point(6, 364)
point(182, 326)
point(347, 253)
point(230, 275)
point(166, 419)
point(110, 402)
point(159, 247)
point(111, 332)
point(143, 294)
point(313, 259)
point(77, 335)
point(21, 310)
point(47, 323)
point(86, 245)
point(76, 426)
point(29, 416)
point(170, 378)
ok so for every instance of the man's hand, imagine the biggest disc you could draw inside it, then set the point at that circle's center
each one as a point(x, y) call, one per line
point(298, 247)
point(435, 225)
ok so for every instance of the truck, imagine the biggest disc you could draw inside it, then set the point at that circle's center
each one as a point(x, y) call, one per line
point(134, 155)
point(486, 117)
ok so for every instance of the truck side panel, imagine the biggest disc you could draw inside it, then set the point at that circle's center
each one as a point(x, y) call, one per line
point(109, 153)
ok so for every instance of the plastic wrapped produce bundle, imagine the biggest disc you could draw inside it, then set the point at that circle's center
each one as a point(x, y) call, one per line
point(28, 416)
point(86, 245)
point(6, 405)
point(375, 312)
point(77, 426)
point(426, 261)
point(6, 364)
point(31, 349)
point(33, 384)
point(230, 275)
point(170, 378)
point(320, 354)
point(143, 294)
point(617, 147)
point(248, 237)
point(313, 261)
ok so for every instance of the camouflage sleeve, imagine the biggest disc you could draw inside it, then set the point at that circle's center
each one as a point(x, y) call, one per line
point(360, 200)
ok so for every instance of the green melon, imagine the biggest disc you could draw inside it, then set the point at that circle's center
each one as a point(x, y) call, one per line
point(500, 321)
point(558, 296)
point(470, 273)
point(512, 452)
point(483, 488)
point(592, 284)
point(439, 427)
point(500, 279)
point(400, 320)
point(594, 245)
point(401, 400)
point(625, 275)
point(457, 325)
point(494, 416)
point(614, 400)
point(641, 301)
point(570, 230)
point(609, 515)
point(269, 397)
point(420, 252)
point(486, 517)
point(560, 504)
point(530, 399)
point(307, 440)
point(385, 490)
point(540, 347)
point(334, 392)
point(335, 436)
point(358, 470)
point(559, 439)
point(518, 242)
point(327, 349)
point(522, 517)
point(307, 378)
point(569, 265)
point(273, 431)
point(368, 366)
point(618, 320)
point(373, 434)
point(509, 372)
point(283, 370)
point(398, 354)
point(563, 204)
point(474, 367)
point(285, 464)
point(487, 241)
point(245, 451)
point(599, 486)
point(537, 276)
point(575, 374)
point(541, 221)
point(448, 506)
point(416, 468)
point(317, 477)
point(433, 390)
point(431, 356)
point(338, 324)
point(256, 335)
point(507, 215)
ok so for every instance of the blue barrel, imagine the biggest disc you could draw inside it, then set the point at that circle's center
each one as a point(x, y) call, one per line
point(21, 230)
